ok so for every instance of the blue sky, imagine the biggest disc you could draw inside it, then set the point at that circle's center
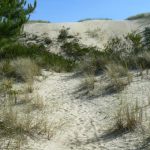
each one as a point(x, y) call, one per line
point(74, 10)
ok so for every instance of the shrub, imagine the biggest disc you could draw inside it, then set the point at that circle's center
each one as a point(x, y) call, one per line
point(47, 40)
point(146, 39)
point(38, 21)
point(139, 16)
point(64, 35)
point(42, 57)
point(126, 51)
point(88, 19)
point(74, 50)
point(93, 63)
point(135, 40)
point(117, 49)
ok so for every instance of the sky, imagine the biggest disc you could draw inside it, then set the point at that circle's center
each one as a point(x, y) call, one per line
point(74, 10)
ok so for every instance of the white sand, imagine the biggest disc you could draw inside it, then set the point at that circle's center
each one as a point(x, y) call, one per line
point(104, 28)
point(87, 120)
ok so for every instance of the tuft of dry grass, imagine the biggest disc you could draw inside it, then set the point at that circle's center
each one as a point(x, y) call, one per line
point(6, 70)
point(29, 87)
point(37, 103)
point(17, 122)
point(118, 75)
point(25, 68)
point(88, 83)
point(128, 117)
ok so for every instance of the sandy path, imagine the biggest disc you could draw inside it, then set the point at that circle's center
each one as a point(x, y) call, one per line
point(86, 120)
point(79, 115)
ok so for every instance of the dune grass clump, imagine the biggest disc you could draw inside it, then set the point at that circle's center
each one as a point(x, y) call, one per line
point(6, 70)
point(119, 76)
point(23, 69)
point(12, 124)
point(37, 103)
point(18, 121)
point(128, 117)
point(88, 83)
point(93, 63)
point(126, 50)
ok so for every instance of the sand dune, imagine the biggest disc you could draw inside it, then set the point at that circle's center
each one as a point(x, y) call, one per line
point(88, 121)
point(103, 30)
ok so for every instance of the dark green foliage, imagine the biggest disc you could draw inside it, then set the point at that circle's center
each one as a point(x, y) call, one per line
point(47, 41)
point(139, 16)
point(64, 35)
point(128, 51)
point(114, 46)
point(136, 42)
point(121, 47)
point(88, 19)
point(13, 14)
point(43, 58)
point(90, 59)
point(6, 69)
point(92, 63)
point(38, 21)
point(74, 50)
point(146, 34)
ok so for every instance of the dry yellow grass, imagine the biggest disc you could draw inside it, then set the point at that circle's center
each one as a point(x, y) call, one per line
point(119, 76)
point(128, 117)
point(25, 68)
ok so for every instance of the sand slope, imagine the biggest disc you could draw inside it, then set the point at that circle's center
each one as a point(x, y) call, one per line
point(87, 120)
point(104, 29)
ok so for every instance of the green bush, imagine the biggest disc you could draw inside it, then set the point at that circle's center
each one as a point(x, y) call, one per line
point(89, 19)
point(139, 16)
point(135, 40)
point(43, 58)
point(127, 51)
point(146, 39)
point(64, 35)
point(74, 50)
point(90, 60)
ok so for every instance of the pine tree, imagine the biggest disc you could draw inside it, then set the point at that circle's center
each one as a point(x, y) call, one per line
point(13, 14)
